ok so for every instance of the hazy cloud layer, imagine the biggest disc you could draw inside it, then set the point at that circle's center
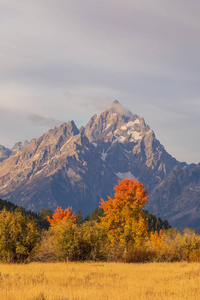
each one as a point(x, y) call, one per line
point(63, 60)
point(40, 121)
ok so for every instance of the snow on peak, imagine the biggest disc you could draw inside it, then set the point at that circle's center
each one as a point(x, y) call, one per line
point(130, 125)
point(131, 130)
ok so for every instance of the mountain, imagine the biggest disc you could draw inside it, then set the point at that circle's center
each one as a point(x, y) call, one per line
point(4, 153)
point(71, 166)
point(19, 146)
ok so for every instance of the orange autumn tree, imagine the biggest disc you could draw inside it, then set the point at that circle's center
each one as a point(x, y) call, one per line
point(124, 216)
point(157, 238)
point(62, 216)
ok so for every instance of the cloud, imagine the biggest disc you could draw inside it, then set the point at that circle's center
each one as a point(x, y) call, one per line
point(101, 106)
point(41, 121)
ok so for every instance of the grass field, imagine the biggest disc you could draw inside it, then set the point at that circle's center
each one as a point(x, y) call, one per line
point(99, 281)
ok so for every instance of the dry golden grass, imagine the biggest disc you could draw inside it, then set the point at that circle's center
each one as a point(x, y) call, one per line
point(100, 281)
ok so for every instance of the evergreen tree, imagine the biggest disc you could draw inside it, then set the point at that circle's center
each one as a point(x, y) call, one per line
point(79, 217)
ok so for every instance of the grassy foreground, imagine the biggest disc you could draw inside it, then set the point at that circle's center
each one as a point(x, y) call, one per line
point(67, 281)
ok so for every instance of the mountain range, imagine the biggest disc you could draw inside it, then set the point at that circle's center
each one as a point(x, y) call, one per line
point(79, 166)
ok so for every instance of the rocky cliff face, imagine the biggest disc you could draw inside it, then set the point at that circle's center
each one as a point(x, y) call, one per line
point(4, 153)
point(71, 166)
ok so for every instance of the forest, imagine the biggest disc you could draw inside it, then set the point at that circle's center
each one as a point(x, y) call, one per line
point(119, 230)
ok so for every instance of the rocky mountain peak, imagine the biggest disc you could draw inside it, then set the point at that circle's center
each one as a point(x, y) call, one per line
point(4, 153)
point(72, 127)
point(116, 124)
point(115, 102)
point(117, 108)
point(19, 146)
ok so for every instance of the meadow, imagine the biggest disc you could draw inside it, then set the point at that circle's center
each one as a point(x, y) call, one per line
point(91, 280)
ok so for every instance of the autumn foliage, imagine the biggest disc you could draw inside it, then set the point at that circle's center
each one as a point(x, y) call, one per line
point(124, 216)
point(157, 238)
point(62, 216)
point(19, 236)
point(116, 231)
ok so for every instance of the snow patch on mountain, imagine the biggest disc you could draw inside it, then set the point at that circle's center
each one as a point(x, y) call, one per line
point(136, 136)
point(130, 124)
point(125, 175)
point(131, 129)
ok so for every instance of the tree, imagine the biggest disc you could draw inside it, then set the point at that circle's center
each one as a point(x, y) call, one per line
point(44, 213)
point(124, 217)
point(79, 217)
point(70, 241)
point(96, 214)
point(157, 238)
point(18, 236)
point(93, 242)
point(154, 223)
point(61, 235)
point(62, 216)
point(87, 218)
point(63, 238)
point(7, 205)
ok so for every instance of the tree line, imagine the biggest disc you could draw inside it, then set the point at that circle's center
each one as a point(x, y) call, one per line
point(118, 230)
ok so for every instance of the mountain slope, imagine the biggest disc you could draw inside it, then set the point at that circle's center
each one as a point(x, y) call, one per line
point(177, 198)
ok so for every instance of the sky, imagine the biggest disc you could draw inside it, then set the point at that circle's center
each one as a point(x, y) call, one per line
point(66, 60)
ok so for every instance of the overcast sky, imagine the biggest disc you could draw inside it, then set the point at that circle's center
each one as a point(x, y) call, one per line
point(69, 59)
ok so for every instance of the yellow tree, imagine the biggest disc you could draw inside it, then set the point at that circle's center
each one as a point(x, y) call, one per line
point(157, 238)
point(124, 217)
point(19, 236)
point(62, 233)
